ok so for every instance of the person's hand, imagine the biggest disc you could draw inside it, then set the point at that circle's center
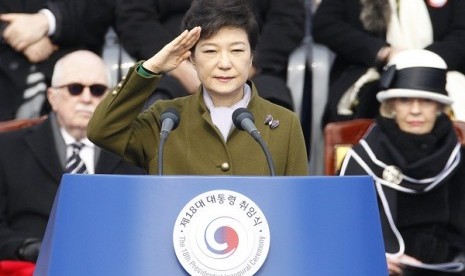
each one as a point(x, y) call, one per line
point(174, 53)
point(394, 51)
point(24, 29)
point(187, 76)
point(396, 264)
point(40, 51)
point(29, 250)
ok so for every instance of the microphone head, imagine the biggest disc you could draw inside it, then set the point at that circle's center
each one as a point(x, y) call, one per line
point(239, 115)
point(170, 113)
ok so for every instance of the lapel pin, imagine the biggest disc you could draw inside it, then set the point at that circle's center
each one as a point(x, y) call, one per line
point(268, 119)
point(271, 122)
point(274, 124)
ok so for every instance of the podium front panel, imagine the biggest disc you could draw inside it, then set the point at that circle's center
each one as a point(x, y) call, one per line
point(124, 225)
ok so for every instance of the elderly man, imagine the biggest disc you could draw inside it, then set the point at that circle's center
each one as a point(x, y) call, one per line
point(32, 160)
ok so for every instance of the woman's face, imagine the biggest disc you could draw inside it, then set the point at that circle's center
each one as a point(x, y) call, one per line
point(415, 115)
point(223, 62)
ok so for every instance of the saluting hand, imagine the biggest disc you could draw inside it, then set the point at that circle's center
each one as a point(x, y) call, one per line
point(174, 53)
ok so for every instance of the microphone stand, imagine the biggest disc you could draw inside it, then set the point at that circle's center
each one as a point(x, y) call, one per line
point(161, 145)
point(269, 160)
point(169, 121)
point(257, 137)
point(243, 120)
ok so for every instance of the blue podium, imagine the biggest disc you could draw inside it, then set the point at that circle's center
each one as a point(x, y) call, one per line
point(149, 225)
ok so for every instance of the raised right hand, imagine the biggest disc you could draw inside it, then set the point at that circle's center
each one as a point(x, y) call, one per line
point(173, 53)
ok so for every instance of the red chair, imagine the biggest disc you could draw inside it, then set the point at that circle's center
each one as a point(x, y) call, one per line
point(16, 268)
point(20, 123)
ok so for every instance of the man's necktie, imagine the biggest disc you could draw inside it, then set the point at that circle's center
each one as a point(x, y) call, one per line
point(74, 164)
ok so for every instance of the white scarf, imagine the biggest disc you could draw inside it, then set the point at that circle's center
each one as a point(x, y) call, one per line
point(222, 116)
point(410, 25)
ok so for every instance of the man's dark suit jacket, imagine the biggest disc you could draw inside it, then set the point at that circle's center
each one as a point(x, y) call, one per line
point(30, 172)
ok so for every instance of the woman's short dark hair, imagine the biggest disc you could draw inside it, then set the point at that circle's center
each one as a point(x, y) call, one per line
point(212, 15)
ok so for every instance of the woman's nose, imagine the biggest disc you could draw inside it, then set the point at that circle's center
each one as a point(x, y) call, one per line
point(224, 61)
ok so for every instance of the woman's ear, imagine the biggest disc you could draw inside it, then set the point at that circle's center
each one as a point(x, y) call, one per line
point(192, 60)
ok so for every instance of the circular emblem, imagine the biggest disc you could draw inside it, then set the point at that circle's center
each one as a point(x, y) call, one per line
point(221, 232)
point(437, 3)
point(392, 174)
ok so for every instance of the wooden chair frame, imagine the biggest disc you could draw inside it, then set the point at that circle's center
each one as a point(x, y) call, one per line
point(15, 124)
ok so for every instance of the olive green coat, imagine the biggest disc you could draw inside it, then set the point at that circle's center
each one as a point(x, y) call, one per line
point(196, 146)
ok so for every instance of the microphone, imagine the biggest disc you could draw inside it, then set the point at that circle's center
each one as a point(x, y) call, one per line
point(243, 120)
point(169, 121)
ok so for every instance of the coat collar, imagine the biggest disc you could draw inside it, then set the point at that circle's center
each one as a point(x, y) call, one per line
point(252, 103)
point(48, 157)
point(203, 110)
point(37, 138)
point(378, 162)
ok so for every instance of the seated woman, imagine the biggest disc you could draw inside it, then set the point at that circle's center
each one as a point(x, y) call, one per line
point(414, 156)
point(220, 38)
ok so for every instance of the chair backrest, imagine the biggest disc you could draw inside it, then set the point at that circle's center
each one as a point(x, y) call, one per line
point(308, 81)
point(339, 137)
point(20, 123)
point(116, 59)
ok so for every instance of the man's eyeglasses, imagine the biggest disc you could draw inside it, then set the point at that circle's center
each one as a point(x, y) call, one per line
point(76, 89)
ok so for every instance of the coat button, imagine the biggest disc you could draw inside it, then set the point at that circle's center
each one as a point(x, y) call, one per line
point(225, 167)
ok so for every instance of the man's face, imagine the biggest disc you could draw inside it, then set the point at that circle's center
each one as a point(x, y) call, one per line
point(71, 97)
